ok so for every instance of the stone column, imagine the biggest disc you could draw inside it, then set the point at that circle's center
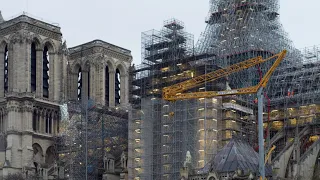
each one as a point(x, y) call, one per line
point(91, 84)
point(39, 73)
point(10, 68)
point(13, 153)
point(73, 89)
point(103, 85)
point(84, 93)
point(52, 124)
point(2, 71)
point(25, 73)
point(38, 122)
point(124, 89)
point(26, 138)
point(14, 54)
point(99, 85)
point(112, 76)
point(42, 123)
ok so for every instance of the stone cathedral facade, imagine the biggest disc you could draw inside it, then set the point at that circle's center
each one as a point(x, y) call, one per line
point(37, 74)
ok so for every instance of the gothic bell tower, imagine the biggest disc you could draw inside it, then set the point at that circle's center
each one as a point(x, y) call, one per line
point(32, 67)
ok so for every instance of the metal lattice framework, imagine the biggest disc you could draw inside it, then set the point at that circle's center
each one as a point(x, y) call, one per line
point(296, 103)
point(238, 30)
point(105, 131)
point(162, 132)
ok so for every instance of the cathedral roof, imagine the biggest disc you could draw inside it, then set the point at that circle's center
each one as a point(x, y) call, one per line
point(99, 43)
point(236, 155)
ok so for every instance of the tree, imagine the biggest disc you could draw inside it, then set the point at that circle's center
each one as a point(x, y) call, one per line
point(19, 176)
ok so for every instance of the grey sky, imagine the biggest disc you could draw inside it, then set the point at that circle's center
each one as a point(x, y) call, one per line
point(121, 22)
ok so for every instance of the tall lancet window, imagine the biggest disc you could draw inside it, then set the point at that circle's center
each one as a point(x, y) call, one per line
point(117, 87)
point(79, 84)
point(106, 84)
point(6, 58)
point(45, 72)
point(33, 67)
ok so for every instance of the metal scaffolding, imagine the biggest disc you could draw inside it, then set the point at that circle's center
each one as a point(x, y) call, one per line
point(87, 134)
point(156, 126)
point(164, 133)
point(238, 30)
point(295, 107)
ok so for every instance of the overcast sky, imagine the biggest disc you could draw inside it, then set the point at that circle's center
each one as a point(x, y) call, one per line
point(121, 22)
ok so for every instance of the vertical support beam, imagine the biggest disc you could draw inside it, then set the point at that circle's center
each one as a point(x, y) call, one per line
point(14, 53)
point(124, 89)
point(112, 88)
point(53, 95)
point(2, 72)
point(297, 152)
point(39, 74)
point(26, 137)
point(73, 90)
point(260, 132)
point(40, 122)
point(28, 67)
point(102, 80)
point(52, 123)
point(13, 154)
point(86, 138)
point(85, 81)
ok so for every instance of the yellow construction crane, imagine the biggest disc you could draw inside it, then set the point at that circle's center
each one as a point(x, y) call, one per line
point(176, 91)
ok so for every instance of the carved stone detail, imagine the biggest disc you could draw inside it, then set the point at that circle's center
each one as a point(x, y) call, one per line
point(31, 28)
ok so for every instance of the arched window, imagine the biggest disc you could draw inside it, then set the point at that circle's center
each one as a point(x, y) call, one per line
point(6, 58)
point(106, 85)
point(33, 67)
point(79, 84)
point(117, 87)
point(48, 123)
point(45, 72)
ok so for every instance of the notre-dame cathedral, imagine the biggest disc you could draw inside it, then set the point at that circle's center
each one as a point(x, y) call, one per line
point(37, 74)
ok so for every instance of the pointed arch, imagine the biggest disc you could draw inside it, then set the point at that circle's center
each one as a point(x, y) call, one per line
point(120, 83)
point(76, 79)
point(85, 67)
point(36, 39)
point(110, 63)
point(48, 121)
point(37, 155)
point(108, 68)
point(3, 43)
point(50, 156)
point(50, 45)
point(47, 60)
point(122, 68)
point(75, 66)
